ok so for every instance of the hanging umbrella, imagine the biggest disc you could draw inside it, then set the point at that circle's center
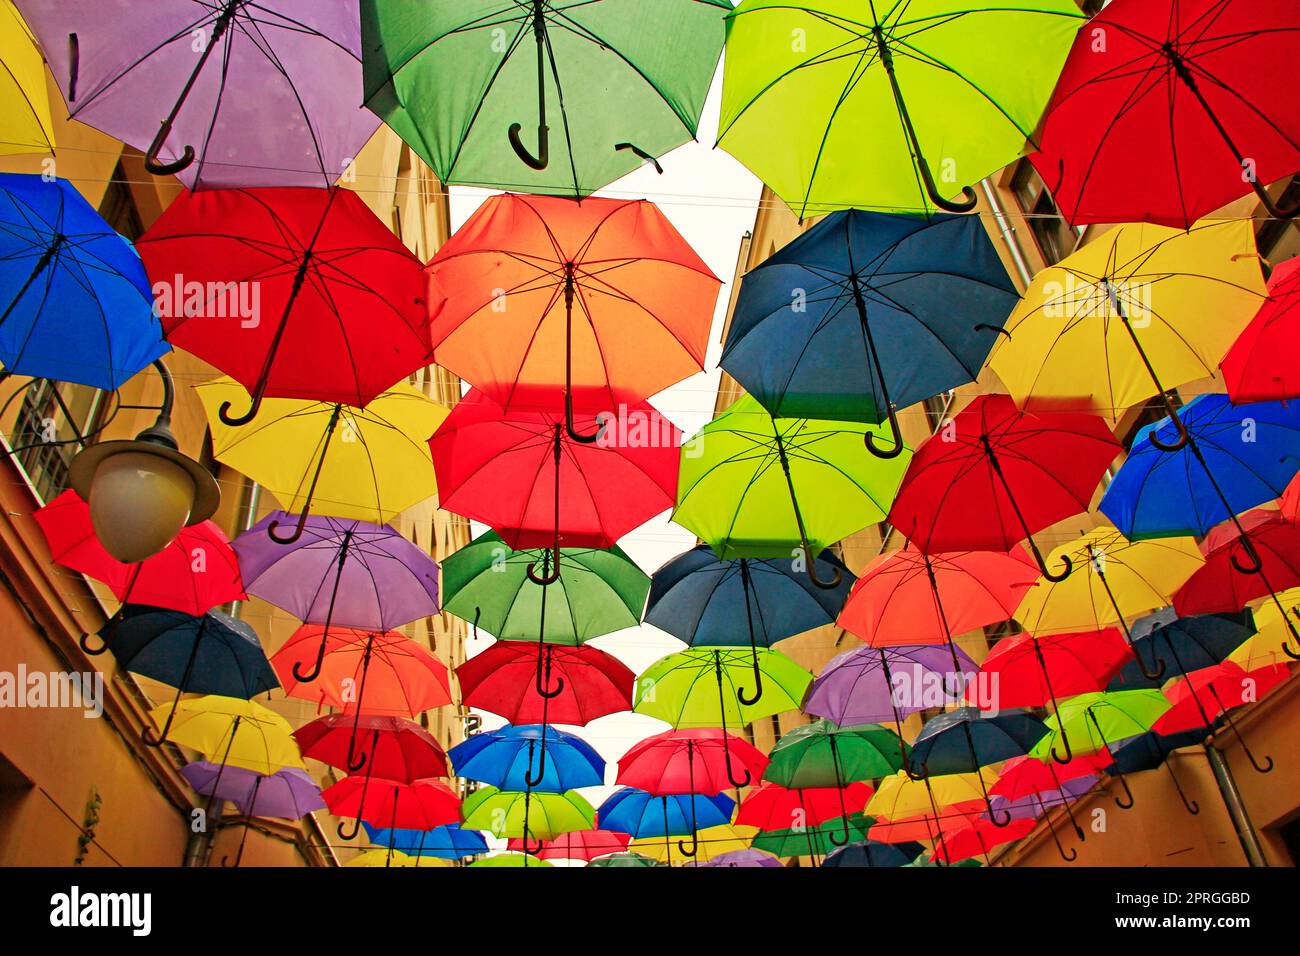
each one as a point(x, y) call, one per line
point(253, 94)
point(26, 126)
point(528, 815)
point(1194, 87)
point(1220, 585)
point(335, 309)
point(1150, 751)
point(1259, 365)
point(1202, 699)
point(76, 304)
point(900, 797)
point(770, 806)
point(886, 106)
point(1268, 645)
point(520, 471)
point(339, 571)
point(370, 464)
point(741, 858)
point(1010, 473)
point(287, 794)
point(526, 683)
point(390, 748)
point(813, 841)
point(698, 598)
point(627, 860)
point(1166, 645)
point(689, 760)
point(211, 653)
point(529, 757)
point(599, 591)
point(709, 844)
point(391, 858)
point(510, 861)
point(1140, 310)
point(978, 838)
point(874, 854)
point(418, 805)
point(447, 842)
point(854, 320)
point(522, 269)
point(625, 81)
point(645, 816)
point(586, 845)
point(871, 685)
point(194, 573)
point(382, 674)
point(761, 487)
point(1027, 776)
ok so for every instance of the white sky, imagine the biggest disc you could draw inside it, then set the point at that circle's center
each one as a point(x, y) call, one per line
point(711, 199)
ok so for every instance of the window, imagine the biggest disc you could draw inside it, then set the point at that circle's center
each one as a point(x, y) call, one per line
point(1290, 836)
point(1279, 239)
point(1003, 629)
point(936, 406)
point(1054, 236)
point(776, 728)
point(53, 412)
point(1151, 412)
point(118, 206)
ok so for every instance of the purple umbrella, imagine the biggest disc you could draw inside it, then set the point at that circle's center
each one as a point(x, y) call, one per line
point(287, 794)
point(250, 92)
point(742, 858)
point(340, 571)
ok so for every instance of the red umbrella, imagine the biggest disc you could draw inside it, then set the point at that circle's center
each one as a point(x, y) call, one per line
point(293, 292)
point(518, 471)
point(602, 295)
point(994, 475)
point(1206, 695)
point(1034, 670)
point(1027, 776)
point(1261, 365)
point(926, 826)
point(420, 805)
point(978, 838)
point(392, 748)
point(584, 683)
point(576, 845)
point(195, 572)
point(689, 760)
point(1201, 90)
point(773, 807)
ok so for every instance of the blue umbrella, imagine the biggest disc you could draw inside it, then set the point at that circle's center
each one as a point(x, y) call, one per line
point(1164, 639)
point(75, 304)
point(516, 759)
point(868, 312)
point(643, 814)
point(208, 654)
point(701, 599)
point(1236, 457)
point(448, 842)
point(1149, 751)
point(874, 853)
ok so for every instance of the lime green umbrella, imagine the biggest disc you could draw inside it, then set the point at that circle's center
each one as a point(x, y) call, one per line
point(510, 861)
point(755, 486)
point(527, 814)
point(624, 860)
point(607, 84)
point(816, 840)
point(598, 592)
point(887, 105)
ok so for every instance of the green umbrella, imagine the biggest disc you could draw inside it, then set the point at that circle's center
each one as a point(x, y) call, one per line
point(545, 816)
point(598, 592)
point(618, 82)
point(818, 840)
point(880, 104)
point(761, 487)
point(509, 861)
point(700, 687)
point(624, 859)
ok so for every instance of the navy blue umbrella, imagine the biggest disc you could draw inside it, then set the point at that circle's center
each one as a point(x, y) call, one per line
point(1164, 642)
point(75, 304)
point(867, 312)
point(516, 759)
point(966, 739)
point(208, 654)
point(701, 599)
point(448, 842)
point(874, 853)
point(1151, 750)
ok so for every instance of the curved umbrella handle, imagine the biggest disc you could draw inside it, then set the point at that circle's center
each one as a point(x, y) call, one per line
point(1241, 741)
point(234, 421)
point(1256, 565)
point(830, 585)
point(1142, 666)
point(299, 676)
point(1270, 206)
point(695, 843)
point(1286, 648)
point(548, 576)
point(914, 777)
point(355, 766)
point(1069, 751)
point(571, 427)
point(297, 528)
point(152, 738)
point(1042, 563)
point(741, 695)
point(543, 131)
point(731, 774)
point(103, 644)
point(1128, 795)
point(968, 198)
point(239, 855)
point(869, 438)
point(529, 779)
point(1192, 806)
point(543, 158)
point(540, 679)
point(156, 166)
point(535, 850)
point(356, 828)
point(1183, 435)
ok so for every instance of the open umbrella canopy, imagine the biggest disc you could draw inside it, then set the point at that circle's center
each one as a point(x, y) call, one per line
point(1092, 722)
point(965, 739)
point(854, 319)
point(770, 806)
point(761, 487)
point(605, 84)
point(1167, 646)
point(820, 754)
point(703, 687)
point(1025, 776)
point(625, 860)
point(892, 106)
point(709, 844)
point(287, 794)
point(386, 858)
point(539, 815)
point(249, 94)
point(388, 747)
point(1220, 585)
point(689, 760)
point(233, 732)
point(641, 814)
point(740, 858)
point(978, 838)
point(586, 683)
point(511, 861)
point(599, 591)
point(873, 853)
point(1260, 365)
point(75, 303)
point(900, 798)
point(447, 842)
point(1196, 87)
point(1139, 310)
point(25, 126)
point(418, 805)
point(871, 685)
point(529, 757)
point(814, 840)
point(584, 845)
point(1199, 698)
point(1268, 645)
point(1031, 671)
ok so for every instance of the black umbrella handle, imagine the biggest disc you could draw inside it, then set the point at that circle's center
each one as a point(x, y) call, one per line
point(741, 693)
point(810, 559)
point(529, 778)
point(1163, 396)
point(542, 159)
point(543, 675)
point(868, 437)
point(996, 465)
point(691, 795)
point(1192, 806)
point(307, 678)
point(1101, 735)
point(305, 509)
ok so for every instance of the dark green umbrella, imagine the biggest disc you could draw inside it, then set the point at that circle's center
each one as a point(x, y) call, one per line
point(816, 840)
point(624, 860)
point(618, 82)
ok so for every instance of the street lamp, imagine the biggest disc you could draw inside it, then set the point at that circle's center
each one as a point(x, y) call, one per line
point(141, 492)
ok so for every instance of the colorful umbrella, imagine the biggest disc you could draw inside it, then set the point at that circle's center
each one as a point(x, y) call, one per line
point(586, 845)
point(978, 838)
point(761, 487)
point(874, 854)
point(870, 685)
point(341, 572)
point(279, 104)
point(287, 794)
point(519, 269)
point(599, 591)
point(529, 683)
point(541, 815)
point(1031, 671)
point(854, 319)
point(502, 861)
point(419, 805)
point(741, 858)
point(1137, 311)
point(1260, 365)
point(813, 841)
point(234, 731)
point(447, 842)
point(392, 858)
point(1150, 751)
point(627, 860)
point(1166, 645)
point(689, 760)
point(330, 305)
point(1195, 87)
point(645, 815)
point(886, 106)
point(1203, 698)
point(458, 80)
point(698, 598)
point(1269, 643)
point(391, 749)
point(77, 306)
point(900, 797)
point(1028, 776)
point(708, 845)
point(26, 126)
point(1010, 474)
point(770, 806)
point(211, 653)
point(529, 757)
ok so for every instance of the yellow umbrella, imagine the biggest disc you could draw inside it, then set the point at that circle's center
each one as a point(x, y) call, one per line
point(901, 798)
point(1139, 310)
point(24, 106)
point(1267, 646)
point(1113, 579)
point(367, 463)
point(394, 858)
point(712, 841)
point(233, 732)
